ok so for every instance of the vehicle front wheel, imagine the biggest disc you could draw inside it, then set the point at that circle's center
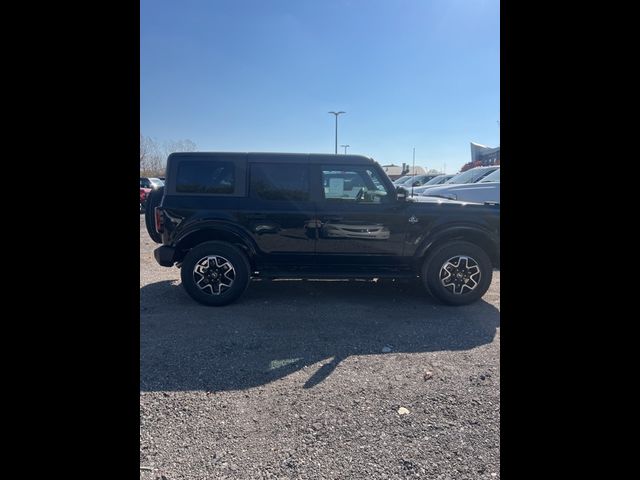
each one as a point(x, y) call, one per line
point(457, 273)
point(215, 273)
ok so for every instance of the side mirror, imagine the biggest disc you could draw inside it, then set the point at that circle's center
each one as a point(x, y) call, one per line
point(401, 194)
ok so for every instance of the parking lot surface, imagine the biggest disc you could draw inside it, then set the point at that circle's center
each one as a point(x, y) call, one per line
point(315, 380)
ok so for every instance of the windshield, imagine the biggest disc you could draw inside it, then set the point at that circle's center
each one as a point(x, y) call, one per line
point(492, 177)
point(402, 179)
point(412, 178)
point(436, 180)
point(469, 176)
point(157, 181)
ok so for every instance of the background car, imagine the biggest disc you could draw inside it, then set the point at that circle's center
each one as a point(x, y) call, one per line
point(440, 179)
point(144, 194)
point(417, 180)
point(147, 185)
point(401, 180)
point(151, 182)
point(487, 189)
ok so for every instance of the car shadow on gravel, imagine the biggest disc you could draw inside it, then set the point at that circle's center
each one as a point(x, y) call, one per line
point(280, 327)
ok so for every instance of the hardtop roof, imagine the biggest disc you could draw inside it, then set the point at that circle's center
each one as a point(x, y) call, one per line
point(272, 157)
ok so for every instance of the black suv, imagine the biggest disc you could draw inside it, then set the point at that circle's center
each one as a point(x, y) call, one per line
point(226, 217)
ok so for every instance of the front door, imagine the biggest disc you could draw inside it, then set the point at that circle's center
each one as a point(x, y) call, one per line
point(360, 220)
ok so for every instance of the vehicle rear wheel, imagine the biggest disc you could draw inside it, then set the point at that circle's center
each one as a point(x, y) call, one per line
point(457, 273)
point(153, 200)
point(215, 273)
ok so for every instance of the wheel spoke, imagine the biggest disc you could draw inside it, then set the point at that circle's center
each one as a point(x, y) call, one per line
point(214, 274)
point(460, 274)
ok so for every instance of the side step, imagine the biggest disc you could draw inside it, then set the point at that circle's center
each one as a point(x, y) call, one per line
point(348, 275)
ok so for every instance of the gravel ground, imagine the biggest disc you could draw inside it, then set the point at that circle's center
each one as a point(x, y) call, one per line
point(305, 380)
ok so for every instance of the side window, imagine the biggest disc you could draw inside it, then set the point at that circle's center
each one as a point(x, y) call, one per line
point(357, 185)
point(271, 181)
point(200, 176)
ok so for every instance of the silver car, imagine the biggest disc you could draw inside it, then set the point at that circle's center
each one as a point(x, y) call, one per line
point(440, 179)
point(487, 189)
point(417, 180)
point(401, 180)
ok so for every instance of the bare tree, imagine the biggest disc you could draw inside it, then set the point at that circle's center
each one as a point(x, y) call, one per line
point(173, 146)
point(153, 158)
point(147, 149)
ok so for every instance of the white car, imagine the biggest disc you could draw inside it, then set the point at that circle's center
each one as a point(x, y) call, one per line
point(487, 189)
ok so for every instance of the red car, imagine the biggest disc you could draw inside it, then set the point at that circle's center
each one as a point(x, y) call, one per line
point(144, 192)
point(146, 185)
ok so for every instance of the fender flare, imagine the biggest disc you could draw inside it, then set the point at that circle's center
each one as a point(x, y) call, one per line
point(488, 238)
point(210, 228)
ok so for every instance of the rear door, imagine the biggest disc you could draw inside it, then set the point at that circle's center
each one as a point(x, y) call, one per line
point(281, 217)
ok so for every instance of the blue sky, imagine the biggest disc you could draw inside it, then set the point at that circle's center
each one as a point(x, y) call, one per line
point(251, 75)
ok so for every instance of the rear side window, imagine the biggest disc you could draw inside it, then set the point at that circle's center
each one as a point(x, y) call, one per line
point(206, 177)
point(270, 181)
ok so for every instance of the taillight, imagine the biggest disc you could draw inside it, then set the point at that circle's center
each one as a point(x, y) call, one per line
point(158, 216)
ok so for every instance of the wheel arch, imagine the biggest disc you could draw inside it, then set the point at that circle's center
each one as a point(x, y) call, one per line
point(216, 233)
point(488, 241)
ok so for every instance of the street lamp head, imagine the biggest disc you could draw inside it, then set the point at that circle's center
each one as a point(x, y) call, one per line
point(337, 113)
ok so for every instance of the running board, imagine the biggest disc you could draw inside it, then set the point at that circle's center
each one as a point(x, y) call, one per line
point(348, 275)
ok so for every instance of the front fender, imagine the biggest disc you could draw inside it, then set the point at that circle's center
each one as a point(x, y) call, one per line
point(479, 234)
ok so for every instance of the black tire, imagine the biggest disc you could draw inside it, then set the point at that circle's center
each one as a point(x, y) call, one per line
point(445, 270)
point(153, 200)
point(208, 293)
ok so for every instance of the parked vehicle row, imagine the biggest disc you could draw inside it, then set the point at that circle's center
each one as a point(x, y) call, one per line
point(487, 189)
point(437, 180)
point(415, 180)
point(452, 188)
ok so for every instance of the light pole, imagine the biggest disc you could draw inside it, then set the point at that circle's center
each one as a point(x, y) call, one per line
point(413, 173)
point(345, 148)
point(336, 114)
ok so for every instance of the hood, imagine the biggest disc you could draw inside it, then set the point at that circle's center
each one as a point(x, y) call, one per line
point(461, 186)
point(420, 189)
point(468, 192)
point(438, 200)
